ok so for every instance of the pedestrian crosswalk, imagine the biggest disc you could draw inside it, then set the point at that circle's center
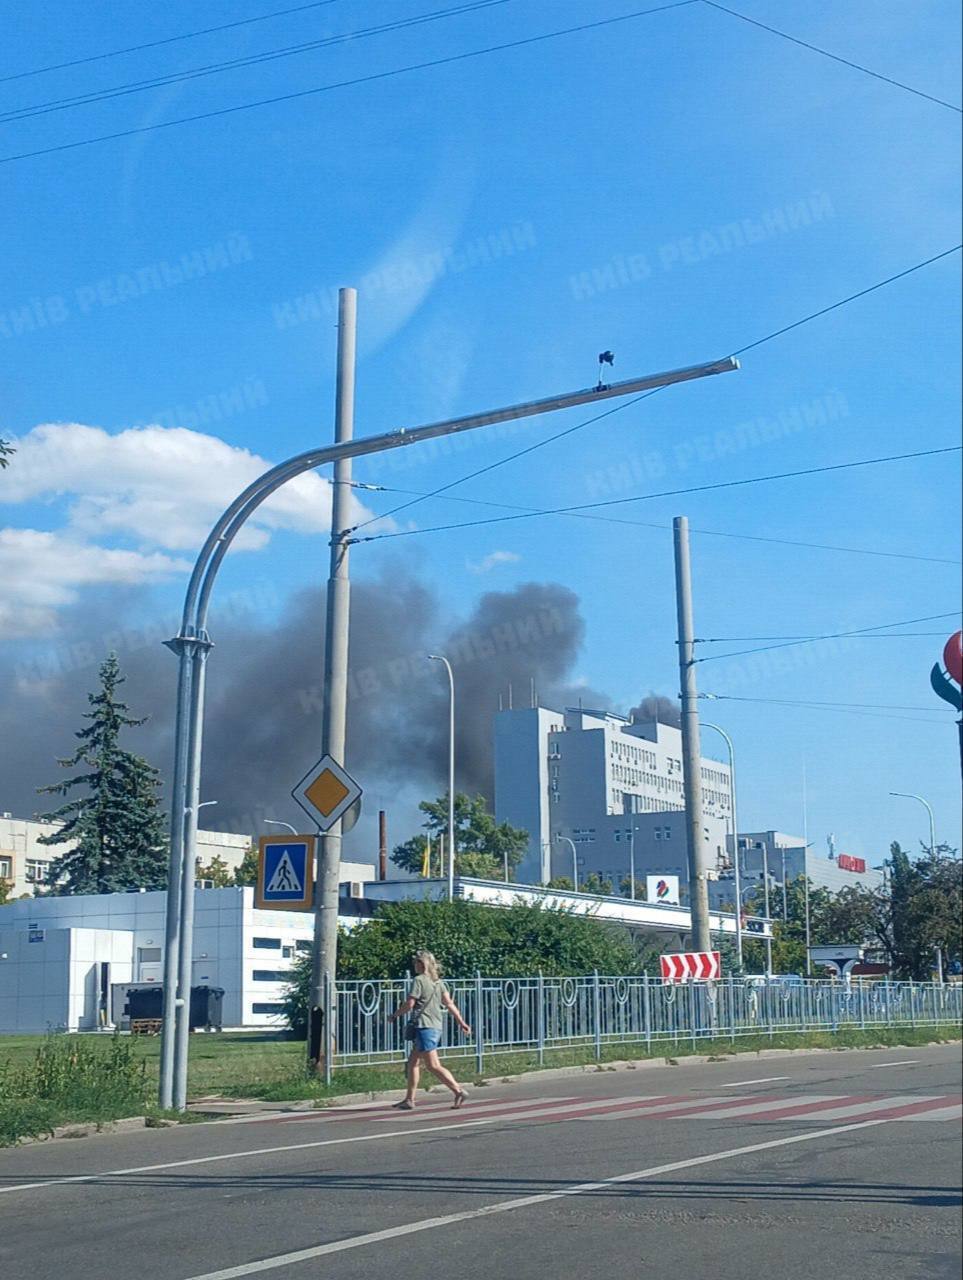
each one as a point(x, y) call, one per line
point(759, 1108)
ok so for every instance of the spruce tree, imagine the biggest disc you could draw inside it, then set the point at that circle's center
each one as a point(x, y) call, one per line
point(113, 820)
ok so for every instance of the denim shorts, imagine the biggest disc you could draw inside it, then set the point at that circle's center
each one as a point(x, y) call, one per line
point(427, 1038)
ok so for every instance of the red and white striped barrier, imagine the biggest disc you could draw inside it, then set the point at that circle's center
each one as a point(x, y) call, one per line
point(685, 966)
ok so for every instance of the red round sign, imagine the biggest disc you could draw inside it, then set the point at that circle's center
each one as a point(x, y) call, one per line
point(953, 657)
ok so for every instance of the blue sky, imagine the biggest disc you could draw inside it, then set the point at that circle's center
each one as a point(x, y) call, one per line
point(672, 187)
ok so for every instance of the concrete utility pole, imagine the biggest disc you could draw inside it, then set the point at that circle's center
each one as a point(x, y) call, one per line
point(192, 642)
point(691, 750)
point(324, 954)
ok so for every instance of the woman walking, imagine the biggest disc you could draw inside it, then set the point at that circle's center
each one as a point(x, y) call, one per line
point(426, 1001)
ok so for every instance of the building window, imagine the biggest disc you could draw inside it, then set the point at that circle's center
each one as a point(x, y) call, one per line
point(35, 870)
point(302, 945)
point(658, 833)
point(262, 1006)
point(6, 868)
point(149, 955)
point(266, 944)
point(271, 975)
point(667, 833)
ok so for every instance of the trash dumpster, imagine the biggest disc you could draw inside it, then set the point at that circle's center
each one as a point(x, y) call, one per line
point(206, 1007)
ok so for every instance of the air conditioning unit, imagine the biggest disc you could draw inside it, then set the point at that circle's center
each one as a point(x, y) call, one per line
point(356, 889)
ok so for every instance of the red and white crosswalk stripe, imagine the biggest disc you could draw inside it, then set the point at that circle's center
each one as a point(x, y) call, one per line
point(762, 1107)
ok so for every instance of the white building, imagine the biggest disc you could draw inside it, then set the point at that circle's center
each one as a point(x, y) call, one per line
point(786, 858)
point(60, 956)
point(612, 786)
point(25, 862)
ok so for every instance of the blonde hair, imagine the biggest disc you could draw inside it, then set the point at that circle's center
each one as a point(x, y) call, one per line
point(430, 966)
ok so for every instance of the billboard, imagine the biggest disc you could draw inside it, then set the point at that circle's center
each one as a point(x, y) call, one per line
point(662, 889)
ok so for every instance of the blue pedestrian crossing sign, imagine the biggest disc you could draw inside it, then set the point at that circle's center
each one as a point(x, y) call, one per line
point(285, 873)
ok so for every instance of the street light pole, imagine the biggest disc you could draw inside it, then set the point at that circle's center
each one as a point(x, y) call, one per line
point(765, 877)
point(437, 657)
point(571, 845)
point(735, 834)
point(193, 639)
point(906, 795)
point(273, 822)
point(632, 860)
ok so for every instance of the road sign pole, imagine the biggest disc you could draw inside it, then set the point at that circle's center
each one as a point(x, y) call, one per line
point(334, 722)
point(691, 776)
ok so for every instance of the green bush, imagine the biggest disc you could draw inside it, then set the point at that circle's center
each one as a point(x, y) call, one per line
point(469, 938)
point(71, 1078)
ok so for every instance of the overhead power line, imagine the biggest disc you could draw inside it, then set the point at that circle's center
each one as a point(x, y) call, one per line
point(837, 709)
point(626, 404)
point(373, 77)
point(896, 635)
point(653, 524)
point(156, 44)
point(836, 635)
point(665, 493)
point(846, 62)
point(248, 60)
point(804, 702)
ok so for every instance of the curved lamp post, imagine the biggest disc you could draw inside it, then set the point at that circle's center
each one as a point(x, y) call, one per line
point(437, 657)
point(571, 845)
point(735, 832)
point(906, 795)
point(192, 644)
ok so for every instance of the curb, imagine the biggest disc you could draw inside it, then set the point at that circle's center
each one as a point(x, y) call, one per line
point(88, 1129)
point(251, 1107)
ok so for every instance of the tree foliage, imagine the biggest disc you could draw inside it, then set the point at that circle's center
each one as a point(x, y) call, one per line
point(217, 873)
point(483, 844)
point(113, 819)
point(246, 873)
point(6, 453)
point(917, 911)
point(468, 938)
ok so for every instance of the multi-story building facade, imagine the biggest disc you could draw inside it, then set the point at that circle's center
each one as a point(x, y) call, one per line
point(785, 858)
point(611, 786)
point(25, 862)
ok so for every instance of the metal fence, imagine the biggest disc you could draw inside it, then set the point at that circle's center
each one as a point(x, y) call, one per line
point(536, 1014)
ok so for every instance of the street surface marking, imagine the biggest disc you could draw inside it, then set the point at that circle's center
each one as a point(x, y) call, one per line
point(895, 1107)
point(523, 1110)
point(737, 1084)
point(878, 1066)
point(523, 1202)
point(230, 1155)
point(761, 1106)
point(938, 1113)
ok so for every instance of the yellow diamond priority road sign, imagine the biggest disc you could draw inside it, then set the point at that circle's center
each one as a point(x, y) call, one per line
point(327, 793)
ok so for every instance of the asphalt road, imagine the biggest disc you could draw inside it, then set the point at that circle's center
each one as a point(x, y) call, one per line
point(834, 1166)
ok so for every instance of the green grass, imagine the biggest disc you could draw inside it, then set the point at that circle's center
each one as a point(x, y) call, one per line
point(271, 1068)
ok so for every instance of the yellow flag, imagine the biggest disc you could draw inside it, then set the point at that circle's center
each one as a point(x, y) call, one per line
point(426, 858)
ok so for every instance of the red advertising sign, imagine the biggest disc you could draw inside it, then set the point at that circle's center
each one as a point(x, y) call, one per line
point(846, 862)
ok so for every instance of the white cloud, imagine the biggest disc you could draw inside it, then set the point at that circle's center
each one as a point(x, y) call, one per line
point(493, 560)
point(163, 486)
point(42, 571)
